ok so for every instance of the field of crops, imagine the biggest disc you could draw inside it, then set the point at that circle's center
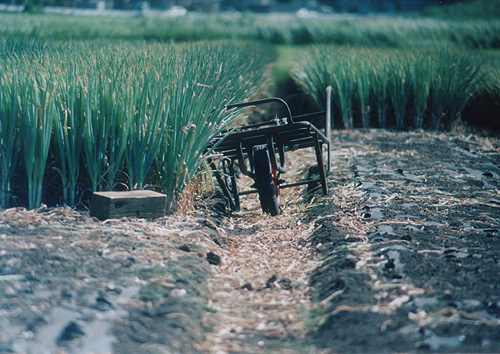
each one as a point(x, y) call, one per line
point(380, 31)
point(92, 104)
point(398, 88)
point(104, 114)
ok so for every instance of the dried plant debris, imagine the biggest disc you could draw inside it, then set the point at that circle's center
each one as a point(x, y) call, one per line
point(77, 285)
point(402, 256)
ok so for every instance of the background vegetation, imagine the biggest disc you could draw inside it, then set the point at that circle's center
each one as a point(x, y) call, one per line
point(380, 31)
point(483, 9)
point(104, 103)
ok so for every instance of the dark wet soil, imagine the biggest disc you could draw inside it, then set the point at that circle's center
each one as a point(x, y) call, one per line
point(409, 240)
point(410, 245)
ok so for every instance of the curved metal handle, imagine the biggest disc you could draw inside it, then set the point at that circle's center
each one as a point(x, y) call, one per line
point(263, 101)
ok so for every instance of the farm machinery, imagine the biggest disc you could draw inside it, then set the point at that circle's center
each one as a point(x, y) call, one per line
point(259, 152)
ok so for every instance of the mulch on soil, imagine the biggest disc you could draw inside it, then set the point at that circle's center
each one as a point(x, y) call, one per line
point(401, 256)
point(72, 284)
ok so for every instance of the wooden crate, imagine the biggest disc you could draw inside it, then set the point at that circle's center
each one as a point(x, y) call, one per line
point(115, 205)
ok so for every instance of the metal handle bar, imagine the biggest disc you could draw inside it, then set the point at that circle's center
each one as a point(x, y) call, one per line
point(262, 101)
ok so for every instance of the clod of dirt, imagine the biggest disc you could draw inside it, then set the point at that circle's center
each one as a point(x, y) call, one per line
point(247, 286)
point(103, 303)
point(185, 248)
point(70, 332)
point(213, 258)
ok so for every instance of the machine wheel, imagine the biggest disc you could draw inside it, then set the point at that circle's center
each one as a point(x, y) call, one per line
point(266, 181)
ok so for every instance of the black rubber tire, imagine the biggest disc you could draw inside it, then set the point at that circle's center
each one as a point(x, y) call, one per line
point(266, 181)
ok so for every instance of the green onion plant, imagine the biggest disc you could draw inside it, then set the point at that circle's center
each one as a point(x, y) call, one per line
point(207, 79)
point(9, 137)
point(68, 131)
point(36, 115)
point(421, 78)
point(104, 113)
point(147, 124)
point(379, 82)
point(420, 88)
point(399, 87)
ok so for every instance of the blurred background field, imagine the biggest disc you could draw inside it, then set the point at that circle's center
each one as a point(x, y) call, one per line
point(128, 102)
point(380, 30)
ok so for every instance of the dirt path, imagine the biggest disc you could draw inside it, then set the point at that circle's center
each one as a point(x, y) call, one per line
point(260, 292)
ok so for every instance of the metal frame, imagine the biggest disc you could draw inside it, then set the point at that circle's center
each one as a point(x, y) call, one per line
point(282, 135)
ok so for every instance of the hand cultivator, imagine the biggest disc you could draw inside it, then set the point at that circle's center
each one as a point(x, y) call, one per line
point(264, 146)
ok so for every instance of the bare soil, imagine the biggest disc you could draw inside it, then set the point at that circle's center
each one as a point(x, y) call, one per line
point(401, 256)
point(410, 243)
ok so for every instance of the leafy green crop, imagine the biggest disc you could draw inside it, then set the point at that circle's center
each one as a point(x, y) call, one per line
point(123, 113)
point(418, 88)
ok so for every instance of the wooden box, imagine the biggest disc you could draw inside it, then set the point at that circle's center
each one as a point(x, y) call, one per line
point(115, 205)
